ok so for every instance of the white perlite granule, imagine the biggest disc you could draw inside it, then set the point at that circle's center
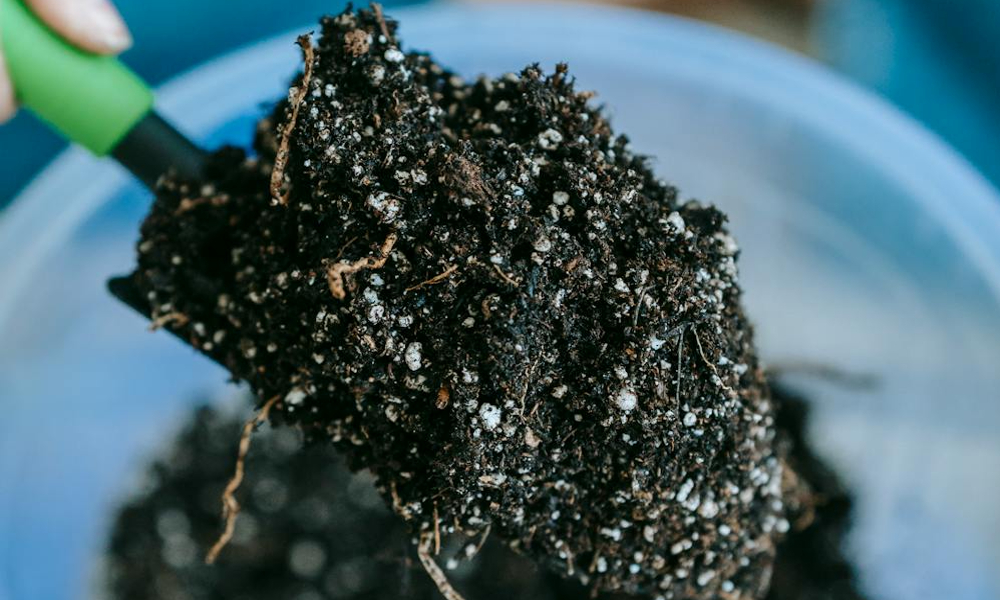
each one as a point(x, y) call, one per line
point(412, 356)
point(490, 415)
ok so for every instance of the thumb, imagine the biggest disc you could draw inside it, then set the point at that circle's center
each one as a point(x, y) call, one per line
point(7, 103)
point(93, 25)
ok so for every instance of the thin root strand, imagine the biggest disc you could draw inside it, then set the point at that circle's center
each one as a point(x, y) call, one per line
point(230, 506)
point(434, 280)
point(433, 570)
point(176, 318)
point(281, 157)
point(336, 272)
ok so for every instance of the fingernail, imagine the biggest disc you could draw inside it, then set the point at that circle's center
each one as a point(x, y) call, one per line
point(105, 26)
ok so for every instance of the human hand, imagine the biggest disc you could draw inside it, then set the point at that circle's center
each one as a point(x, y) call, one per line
point(93, 25)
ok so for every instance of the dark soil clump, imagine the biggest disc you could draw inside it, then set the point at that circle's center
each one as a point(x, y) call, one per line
point(811, 563)
point(311, 530)
point(480, 293)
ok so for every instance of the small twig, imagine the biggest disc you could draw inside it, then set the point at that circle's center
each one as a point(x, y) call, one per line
point(570, 564)
point(506, 277)
point(230, 506)
point(527, 383)
point(188, 204)
point(680, 372)
point(344, 248)
point(377, 9)
point(335, 273)
point(482, 540)
point(437, 531)
point(397, 503)
point(534, 409)
point(593, 562)
point(638, 307)
point(567, 436)
point(432, 568)
point(708, 363)
point(281, 157)
point(433, 280)
point(177, 318)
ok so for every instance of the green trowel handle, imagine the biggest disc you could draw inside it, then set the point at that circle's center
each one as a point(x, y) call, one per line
point(93, 100)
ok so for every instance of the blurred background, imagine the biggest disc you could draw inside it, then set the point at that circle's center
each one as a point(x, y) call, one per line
point(935, 59)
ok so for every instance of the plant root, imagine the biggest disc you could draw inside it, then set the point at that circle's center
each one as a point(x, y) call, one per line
point(230, 506)
point(281, 157)
point(433, 570)
point(335, 273)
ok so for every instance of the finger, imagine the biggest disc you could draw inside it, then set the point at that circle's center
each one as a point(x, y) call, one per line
point(94, 25)
point(7, 104)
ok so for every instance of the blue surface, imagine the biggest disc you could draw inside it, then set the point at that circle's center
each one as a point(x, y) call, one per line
point(936, 59)
point(171, 36)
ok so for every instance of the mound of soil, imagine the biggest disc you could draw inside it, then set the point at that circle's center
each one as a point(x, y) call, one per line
point(477, 291)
